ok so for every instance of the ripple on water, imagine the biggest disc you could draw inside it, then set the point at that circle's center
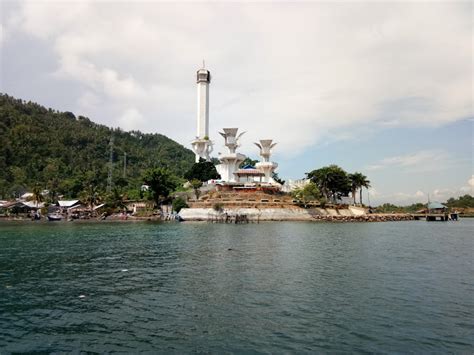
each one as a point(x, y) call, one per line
point(273, 287)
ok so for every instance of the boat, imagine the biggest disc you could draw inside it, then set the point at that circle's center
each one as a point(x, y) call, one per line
point(54, 217)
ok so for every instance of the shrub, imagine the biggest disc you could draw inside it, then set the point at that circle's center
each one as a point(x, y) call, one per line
point(218, 207)
point(178, 204)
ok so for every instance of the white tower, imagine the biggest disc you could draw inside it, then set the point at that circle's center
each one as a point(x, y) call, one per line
point(202, 146)
point(266, 166)
point(230, 162)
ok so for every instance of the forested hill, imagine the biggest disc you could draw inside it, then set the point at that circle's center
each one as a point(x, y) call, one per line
point(65, 153)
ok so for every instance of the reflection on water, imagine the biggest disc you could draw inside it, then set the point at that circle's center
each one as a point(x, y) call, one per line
point(270, 287)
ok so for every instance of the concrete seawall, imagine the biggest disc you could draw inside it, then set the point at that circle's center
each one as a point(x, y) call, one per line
point(291, 214)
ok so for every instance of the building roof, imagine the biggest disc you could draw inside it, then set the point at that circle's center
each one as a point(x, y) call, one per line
point(26, 195)
point(32, 204)
point(249, 171)
point(67, 203)
point(435, 205)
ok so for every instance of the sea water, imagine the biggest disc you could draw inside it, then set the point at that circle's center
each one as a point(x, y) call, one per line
point(269, 287)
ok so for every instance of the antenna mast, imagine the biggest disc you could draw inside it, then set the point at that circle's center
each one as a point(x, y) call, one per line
point(111, 162)
point(124, 165)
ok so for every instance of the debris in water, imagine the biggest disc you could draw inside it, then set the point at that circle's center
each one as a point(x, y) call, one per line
point(124, 270)
point(82, 296)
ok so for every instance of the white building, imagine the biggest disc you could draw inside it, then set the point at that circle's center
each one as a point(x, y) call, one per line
point(231, 160)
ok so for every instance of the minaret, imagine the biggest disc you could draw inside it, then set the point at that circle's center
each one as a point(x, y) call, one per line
point(230, 162)
point(266, 166)
point(202, 146)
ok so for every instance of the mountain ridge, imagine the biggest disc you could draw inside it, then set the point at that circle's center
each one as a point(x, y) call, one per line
point(59, 151)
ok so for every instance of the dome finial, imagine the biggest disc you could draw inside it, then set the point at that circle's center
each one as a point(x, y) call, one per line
point(203, 64)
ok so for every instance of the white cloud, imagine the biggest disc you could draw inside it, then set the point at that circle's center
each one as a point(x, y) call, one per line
point(407, 198)
point(130, 119)
point(291, 72)
point(419, 194)
point(425, 160)
point(470, 186)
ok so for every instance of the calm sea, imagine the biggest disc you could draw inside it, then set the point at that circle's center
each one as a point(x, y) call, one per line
point(259, 288)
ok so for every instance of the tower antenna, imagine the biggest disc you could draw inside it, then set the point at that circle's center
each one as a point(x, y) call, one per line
point(203, 63)
point(124, 165)
point(111, 158)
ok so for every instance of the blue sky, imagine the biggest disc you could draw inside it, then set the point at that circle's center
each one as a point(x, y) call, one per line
point(384, 88)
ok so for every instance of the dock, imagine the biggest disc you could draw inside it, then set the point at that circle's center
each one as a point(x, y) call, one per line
point(436, 217)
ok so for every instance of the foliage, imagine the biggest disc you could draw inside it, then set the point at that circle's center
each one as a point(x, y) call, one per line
point(37, 196)
point(115, 198)
point(466, 201)
point(307, 193)
point(178, 204)
point(277, 179)
point(248, 161)
point(391, 208)
point(218, 207)
point(332, 181)
point(196, 185)
point(202, 171)
point(162, 182)
point(90, 195)
point(358, 181)
point(65, 154)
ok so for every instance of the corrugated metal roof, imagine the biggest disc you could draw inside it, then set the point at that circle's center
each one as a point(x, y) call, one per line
point(435, 205)
point(32, 204)
point(67, 203)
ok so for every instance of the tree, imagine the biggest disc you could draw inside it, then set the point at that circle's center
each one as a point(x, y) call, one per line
point(115, 198)
point(466, 201)
point(178, 204)
point(307, 193)
point(196, 185)
point(277, 178)
point(358, 181)
point(161, 182)
point(90, 195)
point(44, 146)
point(37, 194)
point(202, 171)
point(248, 161)
point(332, 181)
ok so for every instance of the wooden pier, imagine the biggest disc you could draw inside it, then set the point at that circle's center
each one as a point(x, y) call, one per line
point(436, 217)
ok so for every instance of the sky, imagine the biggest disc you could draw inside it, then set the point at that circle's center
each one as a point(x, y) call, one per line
point(383, 88)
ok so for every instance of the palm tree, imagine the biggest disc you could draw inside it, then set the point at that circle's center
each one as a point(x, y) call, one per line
point(90, 195)
point(37, 196)
point(358, 181)
point(354, 186)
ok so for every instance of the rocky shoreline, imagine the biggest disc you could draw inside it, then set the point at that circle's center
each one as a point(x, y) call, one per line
point(287, 214)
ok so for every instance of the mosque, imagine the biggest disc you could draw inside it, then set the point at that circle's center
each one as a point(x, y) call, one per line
point(232, 175)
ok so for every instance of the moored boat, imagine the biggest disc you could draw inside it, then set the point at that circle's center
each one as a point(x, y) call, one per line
point(54, 217)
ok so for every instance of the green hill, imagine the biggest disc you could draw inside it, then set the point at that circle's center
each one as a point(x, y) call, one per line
point(61, 152)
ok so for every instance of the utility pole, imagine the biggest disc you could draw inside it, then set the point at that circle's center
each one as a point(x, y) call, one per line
point(111, 158)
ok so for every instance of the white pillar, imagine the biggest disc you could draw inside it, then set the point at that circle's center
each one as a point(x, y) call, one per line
point(202, 146)
point(203, 81)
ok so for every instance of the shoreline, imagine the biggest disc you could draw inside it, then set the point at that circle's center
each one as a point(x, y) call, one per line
point(255, 215)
